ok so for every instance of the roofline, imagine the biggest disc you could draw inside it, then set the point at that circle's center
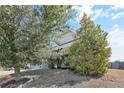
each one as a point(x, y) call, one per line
point(66, 43)
point(61, 35)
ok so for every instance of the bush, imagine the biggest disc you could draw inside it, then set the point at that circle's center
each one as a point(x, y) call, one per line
point(59, 62)
point(89, 53)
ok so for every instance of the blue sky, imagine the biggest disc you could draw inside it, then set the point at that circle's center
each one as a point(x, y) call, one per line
point(111, 19)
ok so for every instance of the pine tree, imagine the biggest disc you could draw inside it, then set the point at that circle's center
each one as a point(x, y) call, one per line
point(89, 53)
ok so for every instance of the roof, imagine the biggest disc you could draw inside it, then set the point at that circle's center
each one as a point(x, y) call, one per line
point(65, 37)
point(64, 41)
point(63, 34)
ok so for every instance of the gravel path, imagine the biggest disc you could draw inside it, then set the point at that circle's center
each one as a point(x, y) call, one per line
point(67, 79)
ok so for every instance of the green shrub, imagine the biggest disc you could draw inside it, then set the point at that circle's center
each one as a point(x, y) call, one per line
point(59, 62)
point(89, 53)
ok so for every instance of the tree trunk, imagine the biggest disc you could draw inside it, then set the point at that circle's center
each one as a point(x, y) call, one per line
point(17, 70)
point(17, 73)
point(59, 63)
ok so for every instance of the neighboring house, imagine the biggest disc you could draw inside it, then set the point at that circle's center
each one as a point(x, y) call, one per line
point(116, 65)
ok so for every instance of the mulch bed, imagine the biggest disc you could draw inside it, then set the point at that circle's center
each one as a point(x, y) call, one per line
point(13, 83)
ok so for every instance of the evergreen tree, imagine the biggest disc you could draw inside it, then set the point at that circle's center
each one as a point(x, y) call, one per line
point(89, 53)
point(24, 29)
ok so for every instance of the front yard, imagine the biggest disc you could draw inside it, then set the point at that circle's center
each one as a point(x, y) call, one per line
point(57, 78)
